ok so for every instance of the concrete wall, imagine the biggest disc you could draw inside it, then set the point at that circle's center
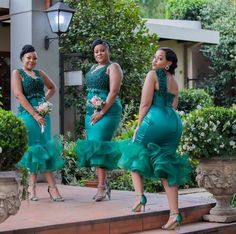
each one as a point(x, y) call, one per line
point(179, 50)
point(29, 25)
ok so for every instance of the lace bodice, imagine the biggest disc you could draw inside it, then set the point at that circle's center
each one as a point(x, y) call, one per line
point(162, 97)
point(32, 88)
point(98, 79)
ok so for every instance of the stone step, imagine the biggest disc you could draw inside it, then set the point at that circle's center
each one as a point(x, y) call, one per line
point(198, 228)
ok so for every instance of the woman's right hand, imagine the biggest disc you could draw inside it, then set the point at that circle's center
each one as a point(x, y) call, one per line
point(40, 120)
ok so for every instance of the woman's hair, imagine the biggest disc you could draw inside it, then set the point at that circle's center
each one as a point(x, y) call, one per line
point(26, 49)
point(100, 41)
point(172, 57)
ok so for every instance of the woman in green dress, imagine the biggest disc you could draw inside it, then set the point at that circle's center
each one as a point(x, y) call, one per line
point(102, 118)
point(152, 151)
point(44, 153)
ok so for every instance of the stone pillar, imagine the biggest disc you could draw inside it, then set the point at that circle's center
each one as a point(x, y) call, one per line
point(29, 25)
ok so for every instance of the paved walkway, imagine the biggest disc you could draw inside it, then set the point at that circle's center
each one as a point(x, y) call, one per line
point(79, 206)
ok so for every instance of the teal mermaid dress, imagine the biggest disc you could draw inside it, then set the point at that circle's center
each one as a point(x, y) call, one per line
point(97, 150)
point(44, 152)
point(153, 152)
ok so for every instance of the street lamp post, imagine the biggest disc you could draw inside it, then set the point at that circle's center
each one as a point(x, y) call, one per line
point(59, 16)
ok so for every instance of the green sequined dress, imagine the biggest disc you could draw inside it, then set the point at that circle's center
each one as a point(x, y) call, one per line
point(98, 150)
point(44, 152)
point(153, 153)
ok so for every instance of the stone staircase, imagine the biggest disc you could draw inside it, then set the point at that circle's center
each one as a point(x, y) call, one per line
point(80, 215)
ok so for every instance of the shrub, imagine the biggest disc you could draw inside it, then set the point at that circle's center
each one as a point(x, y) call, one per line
point(209, 132)
point(191, 99)
point(128, 128)
point(13, 140)
point(71, 173)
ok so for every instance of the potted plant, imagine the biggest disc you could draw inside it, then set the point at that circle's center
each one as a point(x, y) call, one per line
point(210, 136)
point(13, 144)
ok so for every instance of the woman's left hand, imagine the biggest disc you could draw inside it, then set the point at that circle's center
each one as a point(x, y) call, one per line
point(95, 117)
point(135, 132)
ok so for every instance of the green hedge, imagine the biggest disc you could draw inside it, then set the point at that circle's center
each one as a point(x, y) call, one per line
point(13, 140)
point(192, 99)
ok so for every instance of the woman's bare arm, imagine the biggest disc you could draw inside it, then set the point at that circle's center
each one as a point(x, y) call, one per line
point(51, 87)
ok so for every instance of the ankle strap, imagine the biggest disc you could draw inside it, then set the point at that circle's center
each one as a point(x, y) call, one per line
point(174, 213)
point(139, 194)
point(52, 187)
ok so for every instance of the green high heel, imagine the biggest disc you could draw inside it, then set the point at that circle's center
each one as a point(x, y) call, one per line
point(142, 203)
point(175, 223)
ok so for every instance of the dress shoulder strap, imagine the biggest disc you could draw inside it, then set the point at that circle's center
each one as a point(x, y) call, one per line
point(22, 73)
point(37, 73)
point(162, 80)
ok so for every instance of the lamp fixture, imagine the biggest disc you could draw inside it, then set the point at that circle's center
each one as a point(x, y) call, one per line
point(59, 17)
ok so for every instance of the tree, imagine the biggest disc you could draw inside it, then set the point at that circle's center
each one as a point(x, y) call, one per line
point(119, 22)
point(152, 8)
point(185, 9)
point(220, 15)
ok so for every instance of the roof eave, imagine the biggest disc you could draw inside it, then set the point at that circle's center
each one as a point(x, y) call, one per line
point(184, 34)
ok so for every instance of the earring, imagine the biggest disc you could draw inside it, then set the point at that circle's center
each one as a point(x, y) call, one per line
point(167, 67)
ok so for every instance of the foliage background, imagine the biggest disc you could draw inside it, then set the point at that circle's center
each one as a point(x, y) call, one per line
point(218, 15)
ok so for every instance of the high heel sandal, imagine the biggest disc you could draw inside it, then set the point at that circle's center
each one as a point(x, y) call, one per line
point(142, 203)
point(175, 223)
point(103, 191)
point(55, 199)
point(32, 192)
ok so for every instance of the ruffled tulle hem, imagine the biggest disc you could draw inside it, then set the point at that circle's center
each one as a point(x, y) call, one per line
point(104, 154)
point(38, 158)
point(153, 162)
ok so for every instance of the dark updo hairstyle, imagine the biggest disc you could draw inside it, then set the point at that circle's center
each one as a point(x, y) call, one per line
point(26, 49)
point(172, 57)
point(100, 41)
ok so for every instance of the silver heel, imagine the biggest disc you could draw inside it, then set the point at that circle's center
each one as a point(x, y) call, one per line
point(32, 192)
point(55, 199)
point(102, 192)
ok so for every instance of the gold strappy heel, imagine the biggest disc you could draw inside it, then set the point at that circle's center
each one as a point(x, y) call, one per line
point(142, 203)
point(175, 223)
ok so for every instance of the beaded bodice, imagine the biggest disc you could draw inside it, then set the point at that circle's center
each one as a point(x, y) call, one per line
point(98, 78)
point(32, 88)
point(162, 97)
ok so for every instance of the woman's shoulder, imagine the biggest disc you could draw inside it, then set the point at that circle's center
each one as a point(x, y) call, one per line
point(17, 72)
point(113, 66)
point(151, 74)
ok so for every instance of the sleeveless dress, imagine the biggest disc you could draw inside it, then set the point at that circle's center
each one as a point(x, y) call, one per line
point(98, 150)
point(153, 153)
point(44, 152)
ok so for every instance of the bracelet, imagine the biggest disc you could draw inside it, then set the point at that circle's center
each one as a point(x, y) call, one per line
point(101, 113)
